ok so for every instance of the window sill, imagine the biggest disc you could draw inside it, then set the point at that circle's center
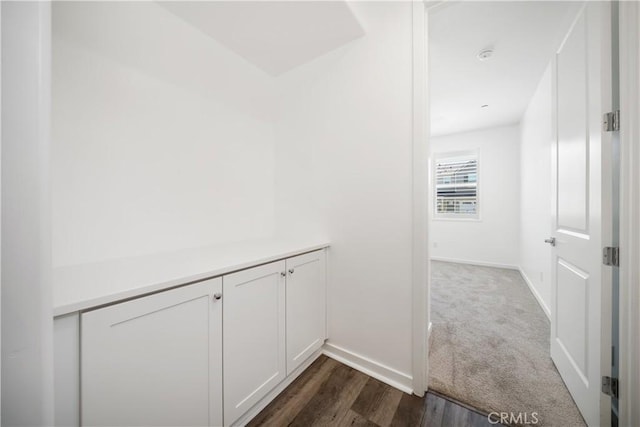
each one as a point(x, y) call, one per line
point(455, 219)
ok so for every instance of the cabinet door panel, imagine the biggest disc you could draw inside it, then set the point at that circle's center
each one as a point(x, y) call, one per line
point(254, 337)
point(155, 360)
point(306, 307)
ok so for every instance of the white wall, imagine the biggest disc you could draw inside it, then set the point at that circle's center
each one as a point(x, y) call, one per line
point(535, 190)
point(324, 150)
point(344, 169)
point(494, 238)
point(27, 324)
point(162, 137)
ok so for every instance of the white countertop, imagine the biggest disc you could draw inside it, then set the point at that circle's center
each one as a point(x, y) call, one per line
point(84, 286)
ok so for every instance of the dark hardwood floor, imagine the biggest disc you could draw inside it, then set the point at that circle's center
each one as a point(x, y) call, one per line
point(329, 393)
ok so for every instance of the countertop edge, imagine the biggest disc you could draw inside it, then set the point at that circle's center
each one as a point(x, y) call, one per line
point(140, 291)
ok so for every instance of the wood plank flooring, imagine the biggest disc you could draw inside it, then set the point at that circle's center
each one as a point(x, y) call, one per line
point(329, 393)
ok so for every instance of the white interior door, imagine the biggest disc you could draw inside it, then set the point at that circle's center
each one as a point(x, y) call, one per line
point(580, 218)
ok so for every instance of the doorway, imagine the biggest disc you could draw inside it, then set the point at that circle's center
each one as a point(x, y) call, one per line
point(494, 84)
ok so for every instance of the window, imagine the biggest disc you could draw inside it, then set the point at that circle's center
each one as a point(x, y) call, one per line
point(456, 185)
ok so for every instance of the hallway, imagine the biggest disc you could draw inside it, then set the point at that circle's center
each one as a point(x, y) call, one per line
point(490, 345)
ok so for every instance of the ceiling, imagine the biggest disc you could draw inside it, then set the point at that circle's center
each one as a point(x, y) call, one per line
point(523, 36)
point(275, 36)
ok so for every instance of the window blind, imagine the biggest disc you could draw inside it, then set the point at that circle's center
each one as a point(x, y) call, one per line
point(457, 186)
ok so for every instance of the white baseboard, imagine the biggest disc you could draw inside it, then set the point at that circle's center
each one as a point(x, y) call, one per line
point(480, 263)
point(387, 375)
point(255, 410)
point(535, 293)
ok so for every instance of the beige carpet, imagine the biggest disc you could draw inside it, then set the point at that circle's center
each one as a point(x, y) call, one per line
point(490, 345)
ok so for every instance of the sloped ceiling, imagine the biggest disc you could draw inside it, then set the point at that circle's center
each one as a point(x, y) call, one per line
point(275, 36)
point(523, 36)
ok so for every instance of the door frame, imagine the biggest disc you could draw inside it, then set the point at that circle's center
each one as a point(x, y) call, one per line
point(420, 209)
point(629, 20)
point(421, 195)
point(26, 226)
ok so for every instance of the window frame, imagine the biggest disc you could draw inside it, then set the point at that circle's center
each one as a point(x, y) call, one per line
point(452, 156)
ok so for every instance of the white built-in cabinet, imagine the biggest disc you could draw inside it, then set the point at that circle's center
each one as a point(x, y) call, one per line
point(254, 336)
point(174, 357)
point(305, 306)
point(155, 360)
point(274, 320)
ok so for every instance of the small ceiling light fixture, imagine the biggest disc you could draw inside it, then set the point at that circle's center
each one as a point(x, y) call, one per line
point(484, 105)
point(485, 54)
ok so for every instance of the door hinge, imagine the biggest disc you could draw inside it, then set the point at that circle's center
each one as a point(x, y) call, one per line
point(611, 121)
point(611, 256)
point(610, 386)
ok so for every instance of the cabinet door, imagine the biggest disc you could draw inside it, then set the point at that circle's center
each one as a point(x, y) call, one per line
point(306, 307)
point(254, 336)
point(155, 360)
